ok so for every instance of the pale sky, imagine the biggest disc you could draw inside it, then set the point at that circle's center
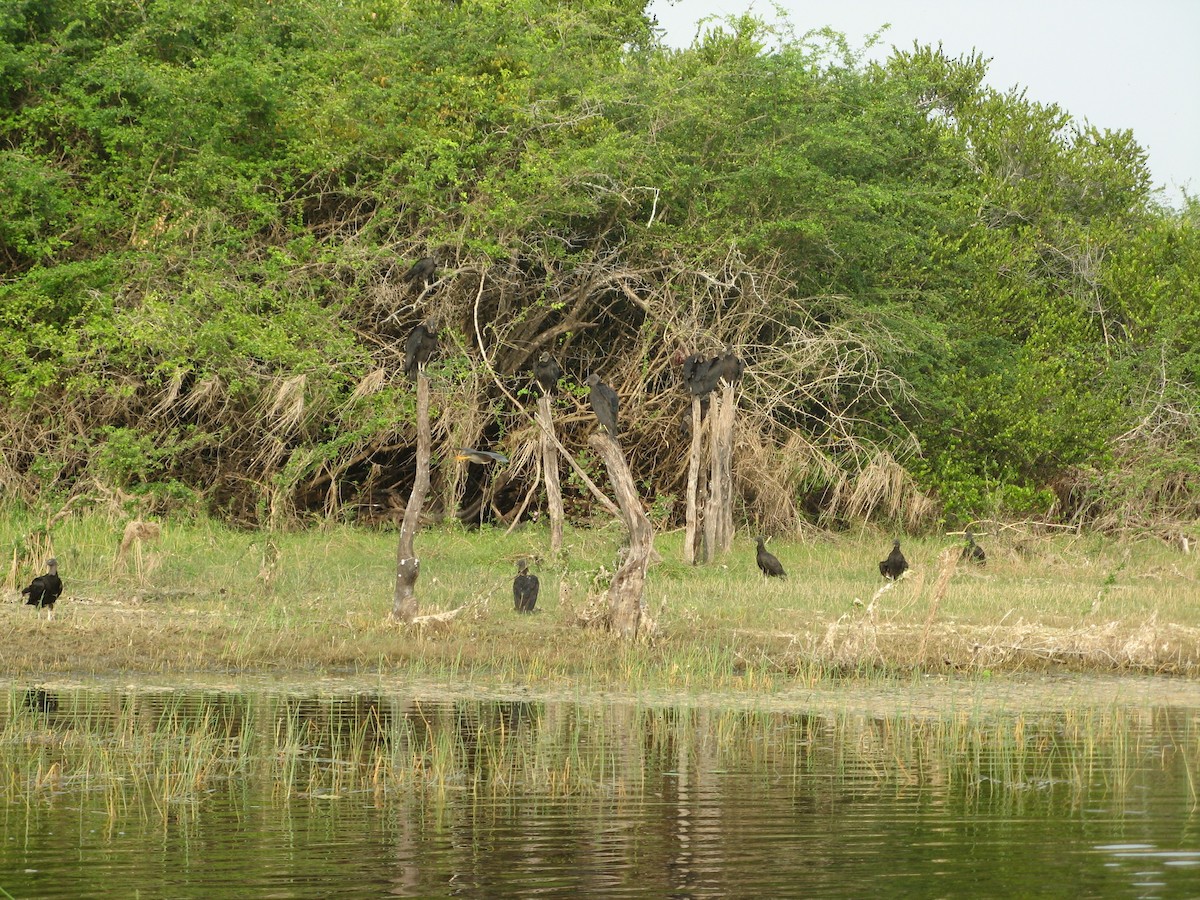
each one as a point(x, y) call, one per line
point(1114, 63)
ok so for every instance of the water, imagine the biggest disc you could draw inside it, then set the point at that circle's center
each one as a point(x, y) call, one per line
point(344, 791)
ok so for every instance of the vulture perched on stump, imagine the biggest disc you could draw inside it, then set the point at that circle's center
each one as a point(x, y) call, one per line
point(604, 404)
point(895, 565)
point(547, 372)
point(419, 349)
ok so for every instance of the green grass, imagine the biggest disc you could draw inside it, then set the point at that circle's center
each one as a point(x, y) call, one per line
point(212, 598)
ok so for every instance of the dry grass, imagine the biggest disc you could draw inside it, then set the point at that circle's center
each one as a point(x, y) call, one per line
point(214, 599)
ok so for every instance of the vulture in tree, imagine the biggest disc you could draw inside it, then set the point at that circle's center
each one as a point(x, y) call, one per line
point(604, 404)
point(547, 372)
point(525, 589)
point(43, 591)
point(895, 564)
point(972, 552)
point(421, 272)
point(419, 349)
point(767, 563)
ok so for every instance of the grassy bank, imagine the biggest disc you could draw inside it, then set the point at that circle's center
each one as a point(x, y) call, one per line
point(208, 598)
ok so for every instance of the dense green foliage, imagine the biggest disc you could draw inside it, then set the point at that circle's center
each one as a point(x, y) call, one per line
point(206, 207)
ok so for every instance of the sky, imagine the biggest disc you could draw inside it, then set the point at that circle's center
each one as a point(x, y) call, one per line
point(1114, 63)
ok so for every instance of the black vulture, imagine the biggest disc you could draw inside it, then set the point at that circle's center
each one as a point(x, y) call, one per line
point(700, 376)
point(419, 349)
point(972, 552)
point(604, 404)
point(483, 457)
point(895, 565)
point(43, 591)
point(729, 366)
point(767, 563)
point(547, 372)
point(525, 589)
point(422, 271)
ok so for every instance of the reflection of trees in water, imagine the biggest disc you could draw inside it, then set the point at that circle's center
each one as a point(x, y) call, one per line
point(486, 797)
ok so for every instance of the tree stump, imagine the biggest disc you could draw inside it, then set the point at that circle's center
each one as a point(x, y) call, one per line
point(629, 583)
point(408, 566)
point(712, 504)
point(718, 508)
point(550, 472)
point(724, 424)
point(692, 520)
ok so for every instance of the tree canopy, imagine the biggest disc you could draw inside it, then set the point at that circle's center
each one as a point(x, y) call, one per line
point(954, 302)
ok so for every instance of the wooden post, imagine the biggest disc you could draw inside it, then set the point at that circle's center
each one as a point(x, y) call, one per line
point(408, 566)
point(550, 471)
point(713, 505)
point(724, 424)
point(629, 582)
point(693, 486)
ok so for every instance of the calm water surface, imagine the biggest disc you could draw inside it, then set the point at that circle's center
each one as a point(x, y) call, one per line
point(252, 790)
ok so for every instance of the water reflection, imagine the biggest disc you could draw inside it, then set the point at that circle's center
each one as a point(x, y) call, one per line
point(175, 793)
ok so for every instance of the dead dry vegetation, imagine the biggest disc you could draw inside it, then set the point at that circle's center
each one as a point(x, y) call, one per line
point(199, 597)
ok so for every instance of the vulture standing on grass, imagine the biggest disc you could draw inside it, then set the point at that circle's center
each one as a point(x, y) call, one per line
point(421, 272)
point(972, 552)
point(419, 349)
point(604, 404)
point(767, 563)
point(547, 372)
point(525, 589)
point(895, 565)
point(43, 591)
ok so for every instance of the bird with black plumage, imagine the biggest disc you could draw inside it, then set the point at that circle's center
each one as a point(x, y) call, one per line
point(768, 564)
point(971, 551)
point(895, 565)
point(43, 592)
point(422, 272)
point(547, 372)
point(604, 404)
point(525, 588)
point(422, 343)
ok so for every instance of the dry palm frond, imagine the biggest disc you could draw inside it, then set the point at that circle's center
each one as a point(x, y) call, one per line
point(207, 394)
point(287, 403)
point(169, 394)
point(884, 486)
point(371, 383)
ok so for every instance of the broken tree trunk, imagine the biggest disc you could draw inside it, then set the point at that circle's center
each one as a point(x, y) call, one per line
point(550, 472)
point(692, 521)
point(724, 424)
point(629, 582)
point(408, 566)
point(718, 508)
point(715, 500)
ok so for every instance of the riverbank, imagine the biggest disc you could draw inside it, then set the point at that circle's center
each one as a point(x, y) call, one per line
point(207, 599)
